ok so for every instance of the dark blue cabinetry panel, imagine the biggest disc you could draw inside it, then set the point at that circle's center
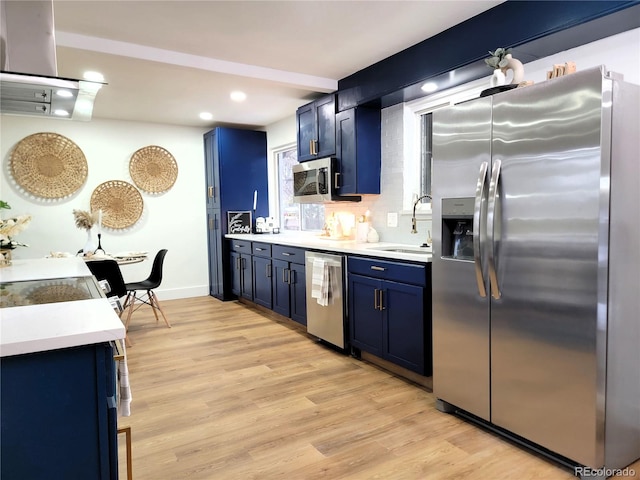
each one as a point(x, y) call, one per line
point(236, 166)
point(316, 126)
point(262, 274)
point(289, 290)
point(366, 321)
point(59, 415)
point(358, 150)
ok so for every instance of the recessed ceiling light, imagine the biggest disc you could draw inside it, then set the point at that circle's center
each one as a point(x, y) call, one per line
point(429, 87)
point(206, 116)
point(238, 96)
point(64, 93)
point(93, 76)
point(61, 113)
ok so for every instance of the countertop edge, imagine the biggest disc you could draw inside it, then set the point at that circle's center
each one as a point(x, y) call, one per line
point(312, 242)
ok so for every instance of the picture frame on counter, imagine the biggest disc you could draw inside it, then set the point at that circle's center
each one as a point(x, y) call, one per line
point(239, 221)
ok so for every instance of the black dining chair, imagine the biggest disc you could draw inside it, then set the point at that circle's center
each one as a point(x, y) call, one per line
point(109, 271)
point(147, 285)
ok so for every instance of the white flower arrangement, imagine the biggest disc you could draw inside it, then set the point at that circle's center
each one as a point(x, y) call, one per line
point(12, 226)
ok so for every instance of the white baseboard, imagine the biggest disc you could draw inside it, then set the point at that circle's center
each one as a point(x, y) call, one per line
point(186, 292)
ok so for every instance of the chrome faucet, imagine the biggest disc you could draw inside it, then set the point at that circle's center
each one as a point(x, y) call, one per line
point(413, 218)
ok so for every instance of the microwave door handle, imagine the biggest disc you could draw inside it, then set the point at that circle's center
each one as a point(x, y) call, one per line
point(491, 223)
point(477, 211)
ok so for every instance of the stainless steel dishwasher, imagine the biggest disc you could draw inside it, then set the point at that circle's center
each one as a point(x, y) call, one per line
point(326, 322)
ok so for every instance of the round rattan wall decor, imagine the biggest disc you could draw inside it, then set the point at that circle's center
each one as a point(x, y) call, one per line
point(120, 202)
point(48, 165)
point(153, 169)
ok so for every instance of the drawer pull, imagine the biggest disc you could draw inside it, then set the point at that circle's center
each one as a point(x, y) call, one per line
point(238, 246)
point(258, 249)
point(287, 254)
point(379, 269)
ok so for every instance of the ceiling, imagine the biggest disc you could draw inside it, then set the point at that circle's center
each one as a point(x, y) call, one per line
point(167, 61)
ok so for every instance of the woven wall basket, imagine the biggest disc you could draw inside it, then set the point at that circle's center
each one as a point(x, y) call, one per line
point(48, 165)
point(120, 202)
point(153, 169)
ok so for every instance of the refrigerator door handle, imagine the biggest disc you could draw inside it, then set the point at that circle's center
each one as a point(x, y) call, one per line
point(491, 222)
point(477, 210)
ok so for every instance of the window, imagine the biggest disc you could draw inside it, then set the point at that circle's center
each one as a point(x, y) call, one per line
point(418, 119)
point(426, 144)
point(294, 216)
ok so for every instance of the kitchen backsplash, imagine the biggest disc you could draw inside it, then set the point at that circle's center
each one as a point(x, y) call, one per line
point(390, 198)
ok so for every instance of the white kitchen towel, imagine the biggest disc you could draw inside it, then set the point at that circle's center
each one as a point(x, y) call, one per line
point(124, 389)
point(320, 282)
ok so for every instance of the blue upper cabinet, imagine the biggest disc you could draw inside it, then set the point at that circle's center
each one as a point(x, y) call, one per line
point(358, 150)
point(316, 125)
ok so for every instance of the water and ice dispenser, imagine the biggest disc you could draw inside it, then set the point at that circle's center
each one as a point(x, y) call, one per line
point(457, 228)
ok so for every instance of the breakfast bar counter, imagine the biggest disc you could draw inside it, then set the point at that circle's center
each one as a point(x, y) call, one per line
point(34, 320)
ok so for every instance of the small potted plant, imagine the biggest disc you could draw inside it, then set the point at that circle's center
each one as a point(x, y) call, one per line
point(498, 59)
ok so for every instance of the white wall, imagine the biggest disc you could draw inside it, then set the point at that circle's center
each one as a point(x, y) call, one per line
point(175, 220)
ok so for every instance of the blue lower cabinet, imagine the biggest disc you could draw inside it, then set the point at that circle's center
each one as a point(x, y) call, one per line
point(59, 415)
point(241, 275)
point(390, 318)
point(298, 293)
point(262, 275)
point(289, 292)
point(366, 320)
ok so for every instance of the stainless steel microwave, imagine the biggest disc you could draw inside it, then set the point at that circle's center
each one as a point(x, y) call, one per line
point(318, 181)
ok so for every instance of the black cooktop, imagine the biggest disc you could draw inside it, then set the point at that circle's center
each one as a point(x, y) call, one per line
point(37, 292)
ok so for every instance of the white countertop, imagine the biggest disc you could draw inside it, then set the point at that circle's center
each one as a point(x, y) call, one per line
point(43, 269)
point(50, 326)
point(311, 241)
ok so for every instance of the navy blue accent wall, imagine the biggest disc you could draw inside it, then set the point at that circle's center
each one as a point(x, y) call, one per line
point(534, 29)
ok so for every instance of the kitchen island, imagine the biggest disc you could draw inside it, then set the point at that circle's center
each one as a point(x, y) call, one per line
point(57, 373)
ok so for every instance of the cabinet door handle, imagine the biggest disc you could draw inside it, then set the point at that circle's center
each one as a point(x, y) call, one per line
point(379, 269)
point(211, 224)
point(292, 279)
point(284, 275)
point(243, 263)
point(380, 304)
point(315, 147)
point(311, 147)
point(238, 263)
point(268, 270)
point(375, 299)
point(210, 191)
point(336, 184)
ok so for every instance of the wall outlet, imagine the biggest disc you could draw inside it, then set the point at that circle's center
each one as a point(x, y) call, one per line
point(392, 219)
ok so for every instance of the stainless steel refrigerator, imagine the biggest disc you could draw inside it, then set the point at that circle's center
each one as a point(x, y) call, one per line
point(536, 265)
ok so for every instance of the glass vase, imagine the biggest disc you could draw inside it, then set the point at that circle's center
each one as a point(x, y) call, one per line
point(5, 257)
point(90, 246)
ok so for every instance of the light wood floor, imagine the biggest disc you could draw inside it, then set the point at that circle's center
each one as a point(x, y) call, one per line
point(229, 393)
